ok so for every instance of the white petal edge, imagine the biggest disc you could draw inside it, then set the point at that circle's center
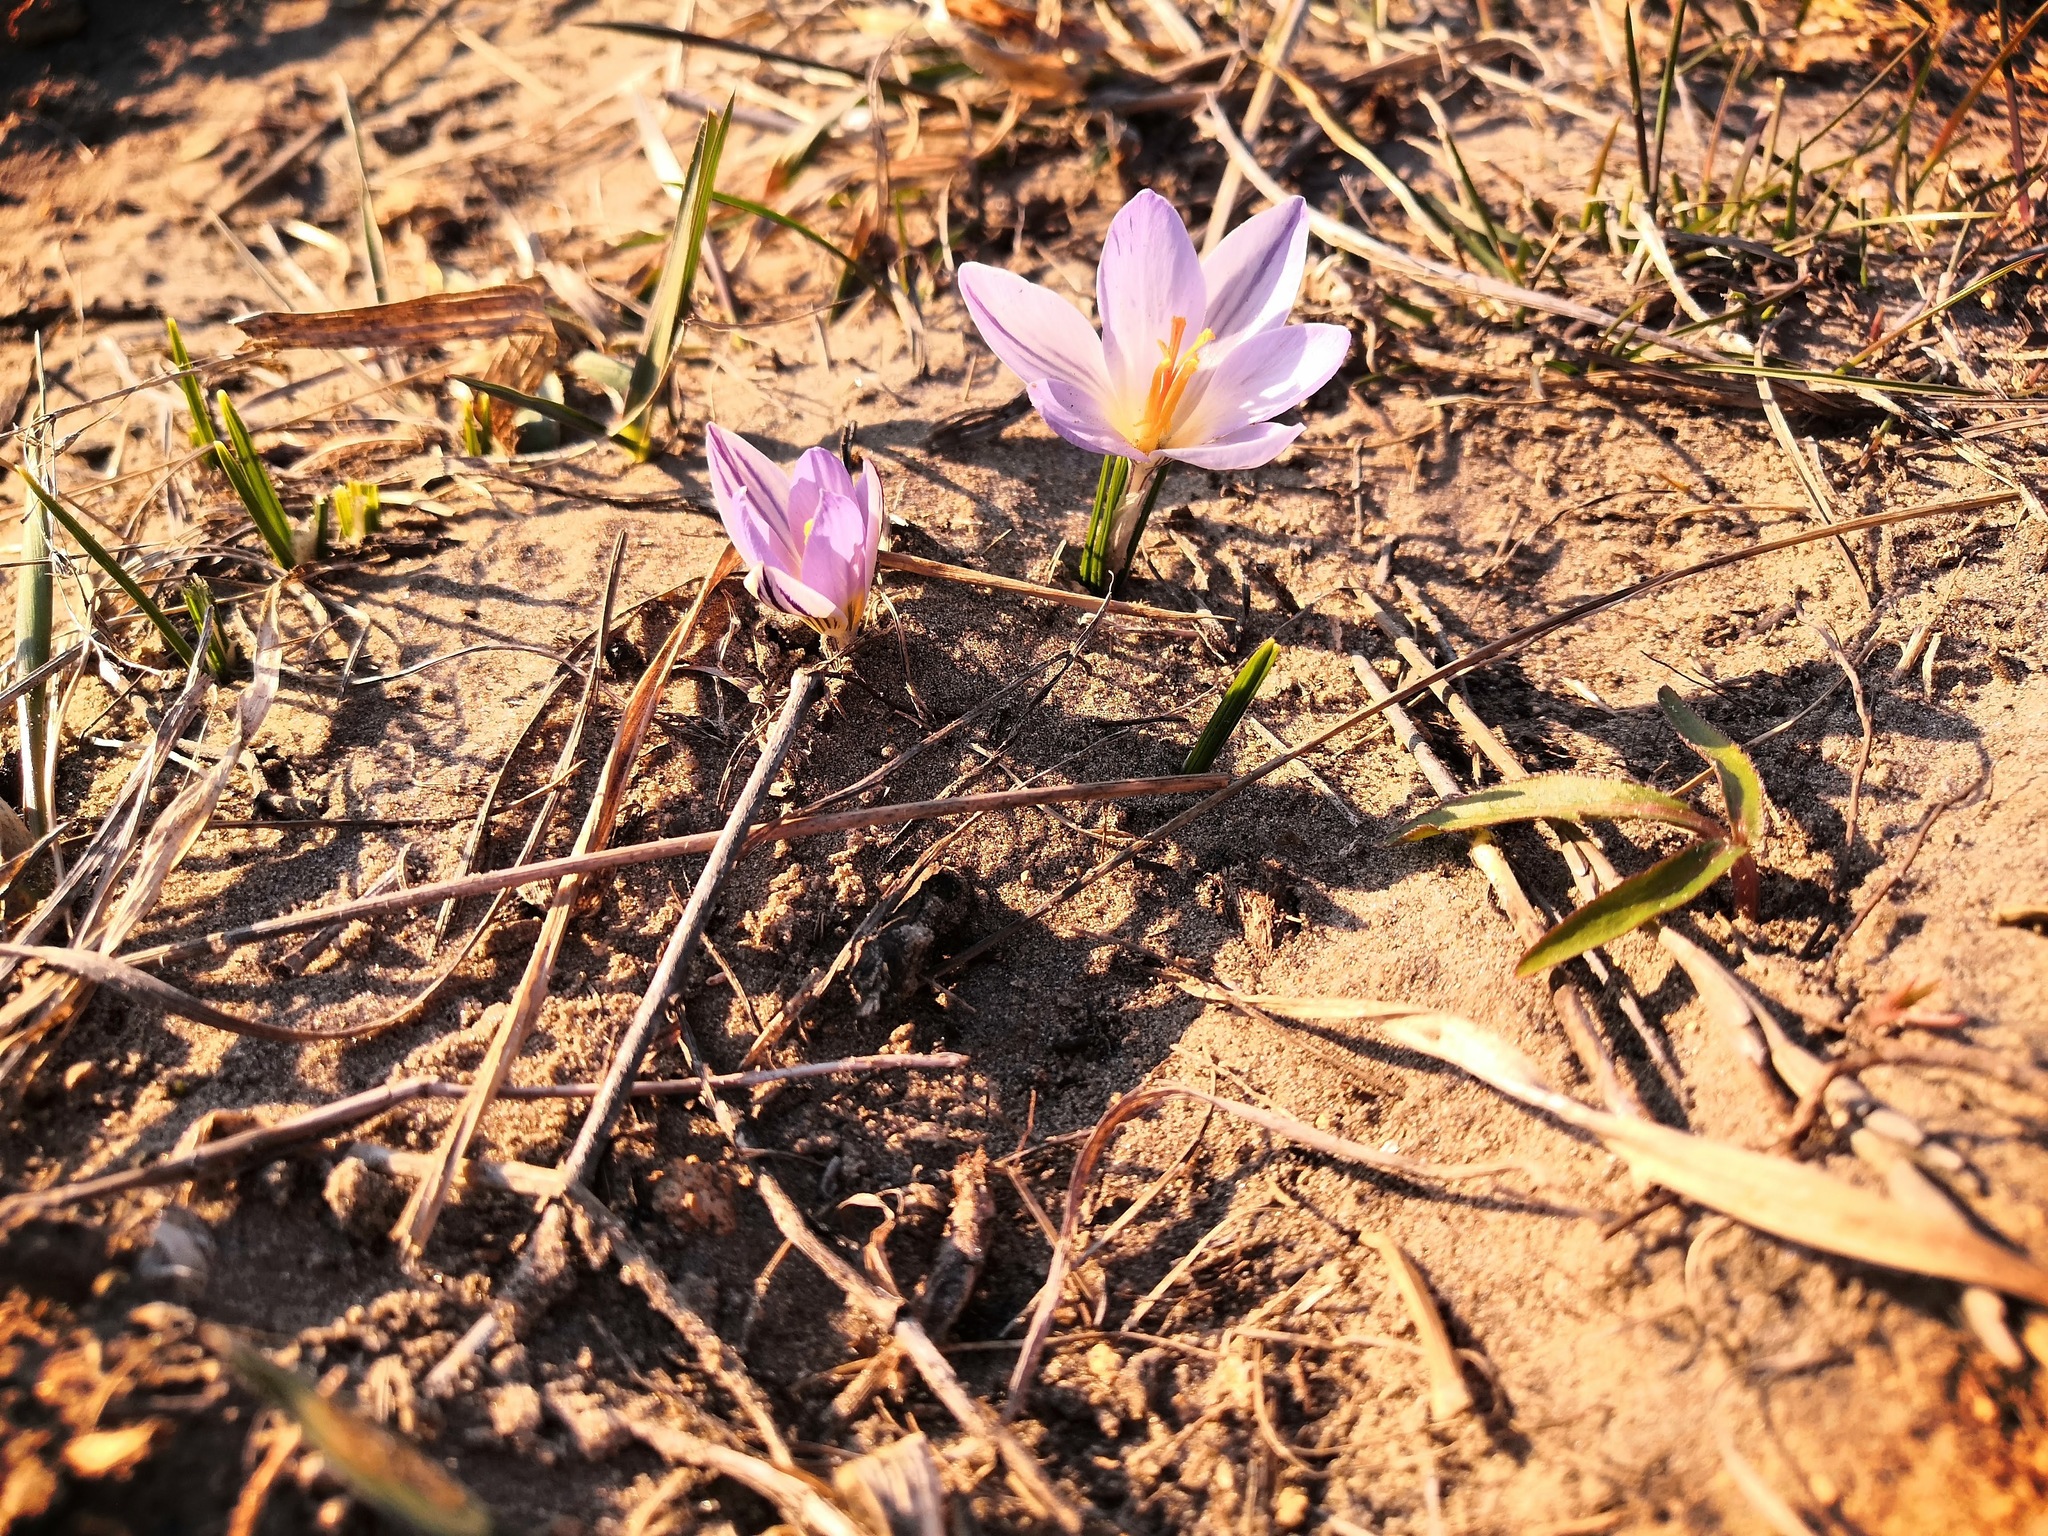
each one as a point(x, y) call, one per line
point(1247, 448)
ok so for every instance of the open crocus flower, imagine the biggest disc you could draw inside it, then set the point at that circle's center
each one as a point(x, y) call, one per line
point(1196, 356)
point(809, 536)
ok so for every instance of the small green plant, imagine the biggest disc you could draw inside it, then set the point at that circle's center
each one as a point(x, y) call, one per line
point(220, 651)
point(1237, 698)
point(1718, 847)
point(235, 455)
point(667, 315)
point(350, 514)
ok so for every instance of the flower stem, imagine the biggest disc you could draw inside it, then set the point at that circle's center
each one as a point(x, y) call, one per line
point(1109, 494)
point(1118, 520)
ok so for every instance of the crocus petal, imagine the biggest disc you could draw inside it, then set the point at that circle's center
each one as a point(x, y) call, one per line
point(824, 469)
point(792, 595)
point(1254, 275)
point(1037, 334)
point(1264, 374)
point(876, 512)
point(1246, 448)
point(751, 534)
point(1149, 277)
point(1077, 416)
point(737, 465)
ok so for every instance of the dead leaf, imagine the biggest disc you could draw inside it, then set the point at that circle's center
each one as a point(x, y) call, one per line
point(484, 314)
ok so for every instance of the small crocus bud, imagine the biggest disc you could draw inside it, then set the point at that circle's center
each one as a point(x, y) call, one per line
point(809, 536)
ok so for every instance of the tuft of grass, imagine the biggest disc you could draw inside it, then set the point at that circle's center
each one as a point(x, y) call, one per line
point(235, 456)
point(668, 311)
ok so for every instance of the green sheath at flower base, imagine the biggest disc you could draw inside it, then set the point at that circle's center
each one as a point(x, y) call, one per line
point(1109, 493)
point(1237, 698)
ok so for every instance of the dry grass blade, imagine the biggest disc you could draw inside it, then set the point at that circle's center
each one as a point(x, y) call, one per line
point(52, 1001)
point(416, 1225)
point(1449, 1397)
point(1787, 1199)
point(380, 1469)
point(432, 320)
point(801, 1501)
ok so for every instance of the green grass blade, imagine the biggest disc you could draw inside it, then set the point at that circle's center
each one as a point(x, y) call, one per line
point(1559, 796)
point(782, 221)
point(199, 605)
point(1237, 698)
point(1635, 98)
point(373, 237)
point(34, 612)
point(540, 405)
point(1109, 494)
point(1740, 785)
point(1595, 204)
point(203, 431)
point(98, 554)
point(665, 314)
point(1661, 888)
point(252, 481)
point(375, 1465)
point(1664, 91)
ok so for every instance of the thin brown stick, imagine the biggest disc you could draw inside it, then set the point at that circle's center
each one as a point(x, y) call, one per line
point(528, 1287)
point(661, 850)
point(1449, 1396)
point(1280, 1125)
point(416, 1225)
point(914, 565)
point(248, 1511)
point(328, 1119)
point(1891, 880)
point(905, 1332)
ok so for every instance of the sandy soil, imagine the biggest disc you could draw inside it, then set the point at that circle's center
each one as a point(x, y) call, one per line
point(1237, 1357)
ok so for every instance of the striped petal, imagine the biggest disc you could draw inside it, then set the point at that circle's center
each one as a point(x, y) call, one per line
point(1037, 334)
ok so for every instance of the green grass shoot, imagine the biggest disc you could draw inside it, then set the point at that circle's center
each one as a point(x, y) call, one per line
point(1237, 698)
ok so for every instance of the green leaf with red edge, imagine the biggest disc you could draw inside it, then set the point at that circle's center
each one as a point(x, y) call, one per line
point(1562, 796)
point(1740, 786)
point(1665, 885)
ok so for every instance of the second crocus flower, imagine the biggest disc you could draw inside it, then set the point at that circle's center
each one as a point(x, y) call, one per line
point(809, 536)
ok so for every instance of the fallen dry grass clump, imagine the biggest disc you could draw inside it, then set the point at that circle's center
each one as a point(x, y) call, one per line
point(797, 659)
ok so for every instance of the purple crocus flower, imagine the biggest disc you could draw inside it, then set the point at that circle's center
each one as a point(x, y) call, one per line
point(1196, 356)
point(808, 536)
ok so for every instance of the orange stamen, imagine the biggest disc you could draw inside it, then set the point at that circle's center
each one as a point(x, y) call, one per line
point(1170, 382)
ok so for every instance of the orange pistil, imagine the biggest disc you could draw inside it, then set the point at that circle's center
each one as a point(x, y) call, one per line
point(1170, 381)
